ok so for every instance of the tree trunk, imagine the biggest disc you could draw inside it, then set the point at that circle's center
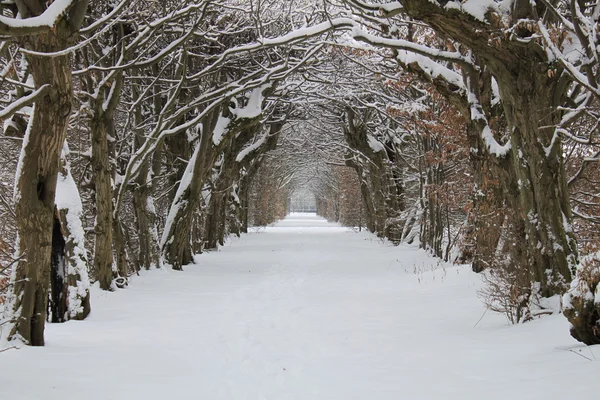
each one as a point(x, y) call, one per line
point(175, 243)
point(103, 247)
point(489, 175)
point(213, 219)
point(543, 194)
point(145, 215)
point(70, 288)
point(369, 208)
point(121, 258)
point(377, 176)
point(373, 176)
point(58, 285)
point(531, 92)
point(36, 187)
point(143, 203)
point(244, 197)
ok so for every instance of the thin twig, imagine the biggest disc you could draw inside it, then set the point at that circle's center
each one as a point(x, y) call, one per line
point(483, 315)
point(9, 348)
point(574, 352)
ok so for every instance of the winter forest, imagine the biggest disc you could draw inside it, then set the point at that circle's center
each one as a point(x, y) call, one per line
point(299, 199)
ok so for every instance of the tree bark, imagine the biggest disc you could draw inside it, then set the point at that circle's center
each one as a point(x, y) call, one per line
point(103, 230)
point(36, 186)
point(143, 203)
point(175, 244)
point(530, 97)
point(372, 176)
point(70, 285)
point(145, 215)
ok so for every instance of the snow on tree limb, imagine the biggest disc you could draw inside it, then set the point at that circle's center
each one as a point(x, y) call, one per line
point(15, 106)
point(435, 54)
point(41, 23)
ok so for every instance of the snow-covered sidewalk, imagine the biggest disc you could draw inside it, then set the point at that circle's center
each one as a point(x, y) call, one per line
point(304, 310)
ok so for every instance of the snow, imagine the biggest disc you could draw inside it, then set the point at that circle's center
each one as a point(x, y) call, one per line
point(431, 67)
point(579, 288)
point(500, 150)
point(20, 103)
point(495, 148)
point(7, 310)
point(374, 144)
point(234, 194)
point(572, 49)
point(255, 102)
point(179, 200)
point(67, 194)
point(302, 310)
point(22, 154)
point(220, 129)
point(68, 198)
point(478, 8)
point(294, 36)
point(391, 6)
point(47, 19)
point(452, 5)
point(254, 146)
point(496, 99)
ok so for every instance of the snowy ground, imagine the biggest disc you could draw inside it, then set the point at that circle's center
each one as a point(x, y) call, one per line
point(303, 310)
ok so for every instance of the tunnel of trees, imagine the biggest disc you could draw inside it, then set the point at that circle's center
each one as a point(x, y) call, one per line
point(137, 133)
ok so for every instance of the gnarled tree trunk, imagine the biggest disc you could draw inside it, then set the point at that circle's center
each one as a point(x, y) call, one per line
point(70, 285)
point(175, 244)
point(531, 91)
point(35, 187)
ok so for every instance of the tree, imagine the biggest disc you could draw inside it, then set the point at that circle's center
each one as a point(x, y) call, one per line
point(530, 86)
point(49, 29)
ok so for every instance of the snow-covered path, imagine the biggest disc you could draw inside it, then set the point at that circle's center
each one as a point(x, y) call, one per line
point(303, 310)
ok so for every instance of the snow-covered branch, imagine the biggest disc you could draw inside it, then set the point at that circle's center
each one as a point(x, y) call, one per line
point(38, 24)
